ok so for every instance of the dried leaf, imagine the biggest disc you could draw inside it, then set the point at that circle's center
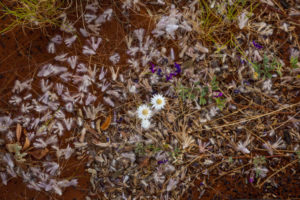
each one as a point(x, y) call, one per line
point(145, 162)
point(201, 48)
point(82, 136)
point(39, 154)
point(98, 125)
point(26, 144)
point(107, 144)
point(19, 132)
point(187, 64)
point(106, 123)
point(90, 130)
point(101, 144)
point(149, 12)
point(13, 148)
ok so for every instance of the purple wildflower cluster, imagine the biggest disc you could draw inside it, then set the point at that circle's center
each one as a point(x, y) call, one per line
point(162, 161)
point(218, 94)
point(258, 46)
point(159, 71)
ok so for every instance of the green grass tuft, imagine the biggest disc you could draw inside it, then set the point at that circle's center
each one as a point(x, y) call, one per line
point(35, 14)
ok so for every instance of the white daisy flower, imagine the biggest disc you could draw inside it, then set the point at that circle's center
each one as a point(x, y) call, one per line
point(144, 112)
point(158, 102)
point(145, 124)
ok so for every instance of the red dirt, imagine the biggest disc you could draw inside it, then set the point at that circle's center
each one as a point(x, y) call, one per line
point(21, 53)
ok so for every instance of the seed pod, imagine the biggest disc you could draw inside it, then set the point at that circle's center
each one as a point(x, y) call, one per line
point(19, 132)
point(106, 123)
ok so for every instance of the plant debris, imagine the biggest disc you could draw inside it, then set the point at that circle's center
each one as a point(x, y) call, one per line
point(189, 91)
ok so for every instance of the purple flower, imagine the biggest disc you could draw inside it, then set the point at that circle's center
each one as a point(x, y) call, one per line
point(162, 161)
point(236, 91)
point(120, 120)
point(219, 94)
point(258, 46)
point(251, 180)
point(170, 76)
point(246, 82)
point(152, 68)
point(178, 68)
point(242, 61)
point(159, 72)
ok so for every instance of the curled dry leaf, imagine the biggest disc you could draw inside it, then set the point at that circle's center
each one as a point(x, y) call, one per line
point(18, 132)
point(106, 123)
point(40, 153)
point(26, 144)
point(27, 141)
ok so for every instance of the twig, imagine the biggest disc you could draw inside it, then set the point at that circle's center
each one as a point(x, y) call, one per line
point(231, 171)
point(252, 118)
point(291, 163)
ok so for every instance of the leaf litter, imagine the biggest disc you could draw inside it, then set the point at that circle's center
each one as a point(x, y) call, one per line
point(228, 102)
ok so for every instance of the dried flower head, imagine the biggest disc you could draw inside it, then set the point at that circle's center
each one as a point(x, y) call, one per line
point(145, 124)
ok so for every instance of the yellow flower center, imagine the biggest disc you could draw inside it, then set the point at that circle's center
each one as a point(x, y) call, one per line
point(145, 112)
point(159, 101)
point(255, 75)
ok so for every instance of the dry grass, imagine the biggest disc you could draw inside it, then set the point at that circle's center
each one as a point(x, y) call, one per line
point(33, 14)
point(230, 111)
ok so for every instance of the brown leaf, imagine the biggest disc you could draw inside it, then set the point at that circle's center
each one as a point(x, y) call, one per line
point(40, 153)
point(18, 132)
point(100, 144)
point(89, 129)
point(145, 162)
point(26, 144)
point(106, 123)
